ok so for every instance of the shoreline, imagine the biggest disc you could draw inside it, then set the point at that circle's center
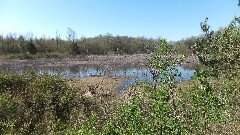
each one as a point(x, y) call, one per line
point(124, 60)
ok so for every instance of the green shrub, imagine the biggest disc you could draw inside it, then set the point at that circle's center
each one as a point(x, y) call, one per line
point(220, 51)
point(40, 104)
point(74, 49)
point(30, 47)
point(12, 82)
point(53, 55)
point(11, 113)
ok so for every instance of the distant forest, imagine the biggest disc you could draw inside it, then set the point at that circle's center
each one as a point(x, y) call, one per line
point(13, 43)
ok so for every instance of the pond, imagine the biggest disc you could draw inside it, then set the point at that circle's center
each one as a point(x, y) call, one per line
point(133, 73)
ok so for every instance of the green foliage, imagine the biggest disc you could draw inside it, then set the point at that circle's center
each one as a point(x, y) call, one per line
point(153, 111)
point(89, 126)
point(220, 51)
point(128, 119)
point(43, 104)
point(100, 45)
point(164, 110)
point(73, 49)
point(202, 105)
point(184, 46)
point(31, 103)
point(11, 110)
point(12, 82)
point(163, 64)
point(51, 55)
point(29, 47)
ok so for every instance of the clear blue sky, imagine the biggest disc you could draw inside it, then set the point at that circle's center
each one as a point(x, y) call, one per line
point(170, 19)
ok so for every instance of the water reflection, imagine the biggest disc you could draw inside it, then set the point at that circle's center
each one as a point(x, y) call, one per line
point(133, 73)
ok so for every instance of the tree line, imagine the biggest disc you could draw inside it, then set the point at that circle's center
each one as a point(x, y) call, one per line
point(13, 43)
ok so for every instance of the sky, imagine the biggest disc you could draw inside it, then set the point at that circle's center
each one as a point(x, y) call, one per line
point(170, 19)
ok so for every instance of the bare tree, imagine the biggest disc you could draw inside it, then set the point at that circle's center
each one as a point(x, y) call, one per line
point(29, 36)
point(57, 39)
point(71, 34)
point(20, 43)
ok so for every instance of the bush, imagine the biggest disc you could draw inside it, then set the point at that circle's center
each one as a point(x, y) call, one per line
point(74, 49)
point(220, 51)
point(30, 47)
point(12, 82)
point(40, 104)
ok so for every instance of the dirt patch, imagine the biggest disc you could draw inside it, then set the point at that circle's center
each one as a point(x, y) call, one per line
point(2, 58)
point(191, 62)
point(135, 60)
point(104, 60)
point(94, 86)
point(100, 59)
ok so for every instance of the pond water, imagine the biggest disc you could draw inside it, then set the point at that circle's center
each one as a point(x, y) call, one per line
point(133, 74)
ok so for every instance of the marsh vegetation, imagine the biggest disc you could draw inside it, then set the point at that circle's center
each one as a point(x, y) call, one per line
point(48, 103)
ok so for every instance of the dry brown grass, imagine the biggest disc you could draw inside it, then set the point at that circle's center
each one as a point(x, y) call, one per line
point(97, 86)
point(2, 58)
